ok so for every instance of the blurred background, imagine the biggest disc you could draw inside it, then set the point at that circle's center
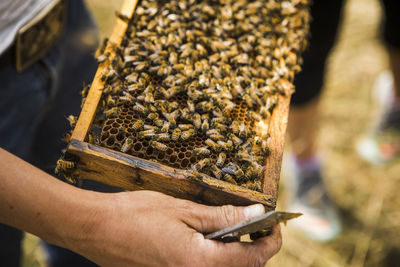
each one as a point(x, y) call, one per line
point(366, 195)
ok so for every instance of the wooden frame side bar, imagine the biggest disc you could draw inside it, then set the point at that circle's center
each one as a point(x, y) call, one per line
point(277, 130)
point(96, 89)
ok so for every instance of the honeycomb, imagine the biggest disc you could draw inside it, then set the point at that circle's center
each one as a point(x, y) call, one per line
point(222, 61)
point(178, 155)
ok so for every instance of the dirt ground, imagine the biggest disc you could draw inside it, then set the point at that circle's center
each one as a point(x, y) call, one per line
point(366, 195)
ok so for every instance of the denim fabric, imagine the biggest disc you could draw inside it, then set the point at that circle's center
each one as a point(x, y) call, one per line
point(33, 107)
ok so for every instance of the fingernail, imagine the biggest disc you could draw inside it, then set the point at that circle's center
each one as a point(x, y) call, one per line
point(253, 211)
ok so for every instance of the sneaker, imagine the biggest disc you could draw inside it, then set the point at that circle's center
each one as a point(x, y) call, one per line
point(320, 220)
point(381, 144)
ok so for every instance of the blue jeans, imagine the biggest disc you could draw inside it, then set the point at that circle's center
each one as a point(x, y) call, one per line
point(33, 108)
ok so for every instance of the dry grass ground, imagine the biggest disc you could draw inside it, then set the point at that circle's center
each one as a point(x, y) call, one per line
point(366, 195)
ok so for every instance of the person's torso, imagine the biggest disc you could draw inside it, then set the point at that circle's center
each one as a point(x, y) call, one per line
point(13, 15)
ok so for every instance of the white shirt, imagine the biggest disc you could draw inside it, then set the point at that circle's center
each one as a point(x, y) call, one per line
point(13, 15)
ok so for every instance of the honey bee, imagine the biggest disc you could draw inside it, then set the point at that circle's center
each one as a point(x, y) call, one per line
point(149, 98)
point(186, 51)
point(152, 108)
point(179, 67)
point(158, 122)
point(102, 47)
point(248, 100)
point(212, 131)
point(134, 87)
point(202, 164)
point(150, 127)
point(235, 170)
point(255, 116)
point(173, 58)
point(180, 79)
point(228, 178)
point(172, 106)
point(165, 127)
point(195, 95)
point(201, 151)
point(164, 92)
point(111, 112)
point(197, 120)
point(122, 17)
point(228, 145)
point(218, 45)
point(158, 145)
point(217, 172)
point(205, 126)
point(202, 51)
point(258, 168)
point(153, 116)
point(129, 58)
point(140, 108)
point(214, 146)
point(173, 91)
point(205, 106)
point(126, 97)
point(64, 166)
point(185, 127)
point(151, 25)
point(103, 57)
point(265, 150)
point(249, 142)
point(72, 121)
point(265, 113)
point(271, 103)
point(217, 137)
point(194, 174)
point(236, 140)
point(163, 137)
point(137, 125)
point(214, 58)
point(251, 173)
point(220, 127)
point(244, 156)
point(187, 134)
point(221, 159)
point(176, 133)
point(141, 66)
point(127, 145)
point(146, 133)
point(186, 114)
point(67, 138)
point(191, 106)
point(110, 101)
point(219, 120)
point(171, 117)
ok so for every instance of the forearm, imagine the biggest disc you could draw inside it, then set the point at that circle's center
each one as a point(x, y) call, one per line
point(35, 202)
point(124, 229)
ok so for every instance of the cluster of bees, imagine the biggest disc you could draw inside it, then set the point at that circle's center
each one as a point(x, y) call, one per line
point(208, 70)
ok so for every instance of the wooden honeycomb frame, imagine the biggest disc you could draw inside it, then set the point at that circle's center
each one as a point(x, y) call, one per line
point(132, 173)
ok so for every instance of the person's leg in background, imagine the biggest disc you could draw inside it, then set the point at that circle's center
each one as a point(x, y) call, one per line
point(22, 99)
point(320, 221)
point(381, 143)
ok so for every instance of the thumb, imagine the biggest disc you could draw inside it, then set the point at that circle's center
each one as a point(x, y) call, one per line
point(206, 219)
